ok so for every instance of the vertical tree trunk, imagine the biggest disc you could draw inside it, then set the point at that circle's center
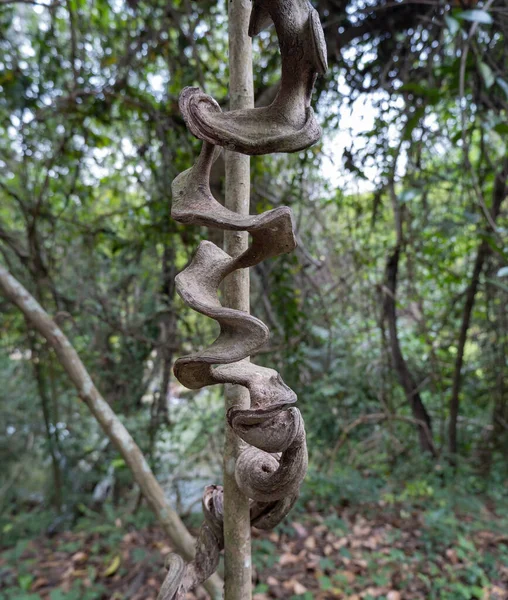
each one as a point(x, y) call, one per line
point(46, 413)
point(403, 373)
point(160, 411)
point(499, 194)
point(168, 326)
point(237, 548)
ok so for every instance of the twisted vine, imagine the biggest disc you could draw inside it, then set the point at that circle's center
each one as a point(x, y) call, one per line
point(271, 468)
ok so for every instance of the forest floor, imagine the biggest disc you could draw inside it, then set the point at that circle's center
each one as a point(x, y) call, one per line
point(383, 552)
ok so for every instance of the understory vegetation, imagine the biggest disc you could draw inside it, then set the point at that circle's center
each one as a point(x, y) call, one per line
point(389, 321)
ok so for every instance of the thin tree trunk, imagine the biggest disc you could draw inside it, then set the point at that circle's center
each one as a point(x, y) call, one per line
point(495, 437)
point(403, 373)
point(160, 411)
point(180, 538)
point(46, 413)
point(237, 543)
point(168, 327)
point(499, 194)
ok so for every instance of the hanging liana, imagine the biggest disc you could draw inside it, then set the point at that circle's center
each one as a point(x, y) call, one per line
point(271, 468)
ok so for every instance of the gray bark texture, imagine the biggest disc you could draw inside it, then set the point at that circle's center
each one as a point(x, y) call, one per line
point(265, 458)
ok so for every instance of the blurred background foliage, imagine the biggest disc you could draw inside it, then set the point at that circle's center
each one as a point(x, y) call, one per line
point(390, 319)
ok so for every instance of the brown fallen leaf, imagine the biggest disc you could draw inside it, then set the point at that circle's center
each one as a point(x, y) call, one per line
point(340, 543)
point(294, 586)
point(313, 561)
point(288, 559)
point(79, 557)
point(310, 543)
point(300, 529)
point(299, 589)
point(375, 592)
point(38, 583)
point(347, 575)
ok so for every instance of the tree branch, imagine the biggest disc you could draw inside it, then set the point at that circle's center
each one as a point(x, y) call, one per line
point(180, 537)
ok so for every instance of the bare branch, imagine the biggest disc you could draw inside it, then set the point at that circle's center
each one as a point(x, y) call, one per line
point(108, 420)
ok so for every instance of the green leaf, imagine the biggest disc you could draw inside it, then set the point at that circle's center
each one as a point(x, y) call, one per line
point(113, 566)
point(413, 122)
point(501, 128)
point(487, 74)
point(325, 583)
point(452, 24)
point(477, 16)
point(25, 582)
point(433, 95)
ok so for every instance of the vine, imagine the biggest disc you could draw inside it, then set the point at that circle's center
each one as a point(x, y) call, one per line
point(272, 466)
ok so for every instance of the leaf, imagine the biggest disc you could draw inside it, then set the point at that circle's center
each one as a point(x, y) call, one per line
point(432, 94)
point(325, 583)
point(300, 529)
point(477, 16)
point(503, 272)
point(79, 557)
point(503, 85)
point(25, 582)
point(487, 74)
point(453, 24)
point(299, 589)
point(288, 558)
point(501, 128)
point(113, 566)
point(413, 122)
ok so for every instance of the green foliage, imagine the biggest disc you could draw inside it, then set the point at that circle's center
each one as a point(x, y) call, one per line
point(90, 140)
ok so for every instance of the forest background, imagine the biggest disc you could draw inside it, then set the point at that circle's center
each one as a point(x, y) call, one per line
point(389, 321)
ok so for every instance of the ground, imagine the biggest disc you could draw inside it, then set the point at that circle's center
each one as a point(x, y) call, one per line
point(381, 552)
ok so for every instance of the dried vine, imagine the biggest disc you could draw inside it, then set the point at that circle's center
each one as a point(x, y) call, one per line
point(271, 468)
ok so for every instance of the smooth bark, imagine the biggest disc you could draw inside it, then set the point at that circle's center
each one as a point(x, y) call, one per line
point(237, 542)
